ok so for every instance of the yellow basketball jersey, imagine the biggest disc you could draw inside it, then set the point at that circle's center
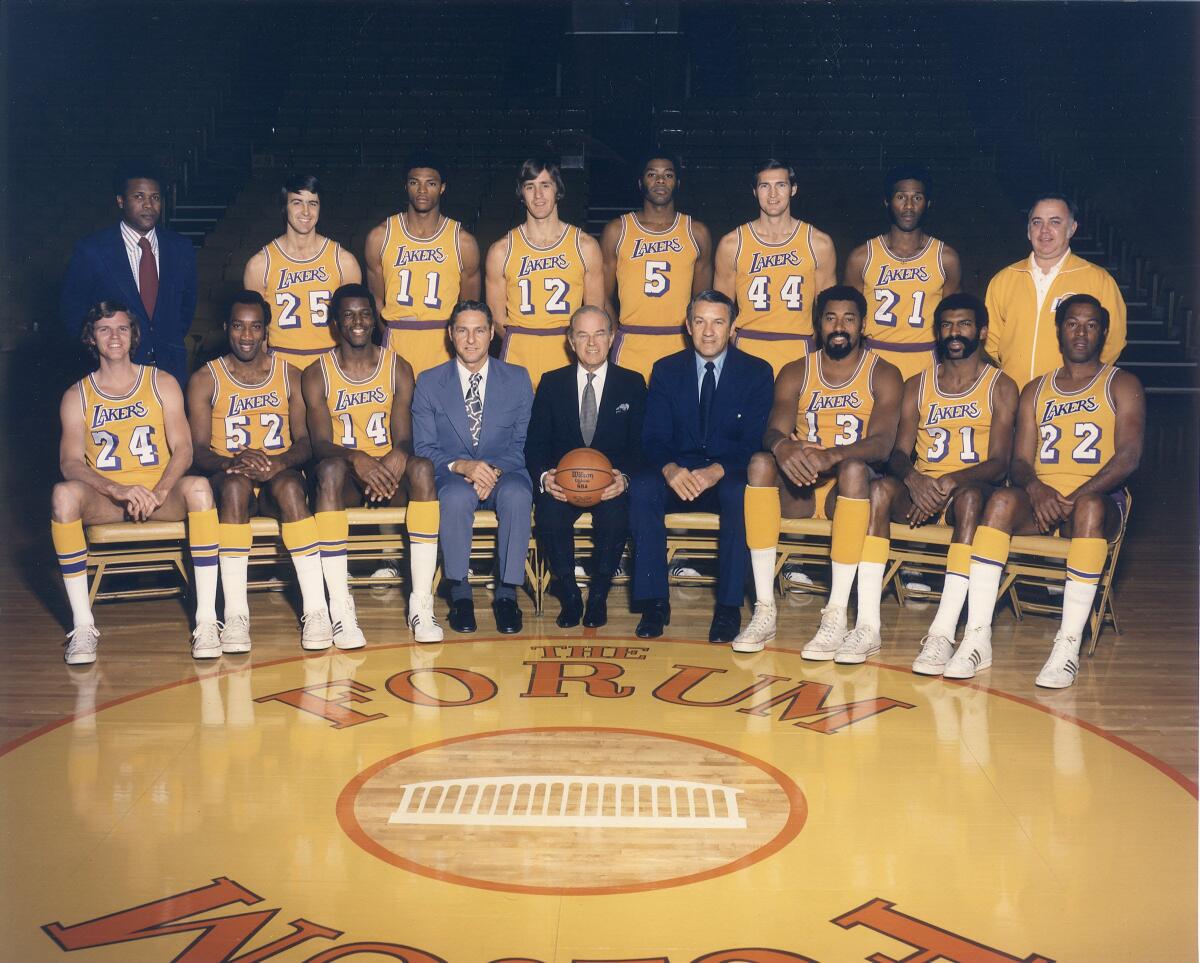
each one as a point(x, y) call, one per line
point(835, 414)
point(361, 410)
point(125, 437)
point(902, 294)
point(250, 416)
point(953, 430)
point(543, 287)
point(299, 292)
point(422, 279)
point(1076, 430)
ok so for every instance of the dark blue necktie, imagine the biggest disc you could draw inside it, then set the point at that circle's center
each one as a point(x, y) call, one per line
point(708, 388)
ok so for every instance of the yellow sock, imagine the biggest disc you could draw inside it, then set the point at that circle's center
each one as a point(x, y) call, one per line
point(423, 519)
point(333, 529)
point(204, 536)
point(762, 517)
point(234, 540)
point(990, 546)
point(875, 549)
point(850, 518)
point(1085, 559)
point(70, 546)
point(300, 538)
point(958, 560)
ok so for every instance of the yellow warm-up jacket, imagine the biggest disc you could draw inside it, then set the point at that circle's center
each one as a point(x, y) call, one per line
point(1022, 339)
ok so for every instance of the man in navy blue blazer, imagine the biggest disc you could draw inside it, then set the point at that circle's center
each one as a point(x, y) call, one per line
point(706, 412)
point(141, 264)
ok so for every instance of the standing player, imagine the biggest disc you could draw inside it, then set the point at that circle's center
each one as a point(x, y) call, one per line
point(359, 400)
point(834, 415)
point(956, 424)
point(297, 272)
point(904, 274)
point(249, 436)
point(774, 267)
point(539, 273)
point(419, 265)
point(655, 260)
point(124, 450)
point(1080, 430)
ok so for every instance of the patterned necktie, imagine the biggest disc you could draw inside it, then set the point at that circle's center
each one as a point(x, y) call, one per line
point(147, 277)
point(475, 408)
point(708, 388)
point(587, 411)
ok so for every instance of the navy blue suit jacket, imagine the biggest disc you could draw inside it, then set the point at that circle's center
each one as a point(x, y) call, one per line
point(99, 271)
point(741, 407)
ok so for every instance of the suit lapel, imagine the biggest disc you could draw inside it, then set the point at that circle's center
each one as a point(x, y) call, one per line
point(118, 265)
point(456, 408)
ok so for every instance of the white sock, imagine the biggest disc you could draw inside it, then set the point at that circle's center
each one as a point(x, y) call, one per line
point(77, 595)
point(423, 559)
point(841, 583)
point(981, 594)
point(336, 582)
point(233, 584)
point(206, 593)
point(1077, 606)
point(762, 565)
point(870, 589)
point(954, 594)
point(312, 583)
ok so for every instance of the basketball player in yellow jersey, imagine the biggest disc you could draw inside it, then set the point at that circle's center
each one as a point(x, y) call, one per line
point(904, 274)
point(655, 260)
point(834, 416)
point(249, 436)
point(124, 450)
point(419, 265)
point(297, 272)
point(774, 267)
point(1080, 430)
point(359, 400)
point(539, 273)
point(952, 449)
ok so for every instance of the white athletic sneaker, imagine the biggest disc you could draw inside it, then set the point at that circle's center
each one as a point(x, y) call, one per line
point(386, 571)
point(936, 651)
point(794, 575)
point(858, 645)
point(679, 570)
point(1063, 665)
point(829, 636)
point(974, 654)
point(317, 631)
point(235, 635)
point(206, 641)
point(424, 624)
point(761, 630)
point(81, 645)
point(346, 633)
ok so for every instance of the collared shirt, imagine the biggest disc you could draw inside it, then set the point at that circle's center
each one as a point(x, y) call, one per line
point(1043, 279)
point(581, 374)
point(464, 379)
point(718, 364)
point(134, 252)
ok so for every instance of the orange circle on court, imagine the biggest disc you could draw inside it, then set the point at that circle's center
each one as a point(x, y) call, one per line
point(554, 810)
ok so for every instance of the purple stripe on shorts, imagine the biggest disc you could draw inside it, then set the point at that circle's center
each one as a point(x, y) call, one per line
point(905, 348)
point(538, 332)
point(774, 336)
point(409, 324)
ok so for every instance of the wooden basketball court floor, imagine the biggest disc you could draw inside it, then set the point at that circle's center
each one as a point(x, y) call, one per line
point(564, 795)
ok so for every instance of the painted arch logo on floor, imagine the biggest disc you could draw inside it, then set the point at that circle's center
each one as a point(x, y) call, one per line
point(502, 800)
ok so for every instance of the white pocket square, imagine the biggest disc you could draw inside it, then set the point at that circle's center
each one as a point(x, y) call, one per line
point(623, 406)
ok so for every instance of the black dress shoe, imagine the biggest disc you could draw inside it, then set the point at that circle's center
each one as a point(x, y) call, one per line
point(655, 616)
point(462, 616)
point(572, 609)
point(508, 616)
point(596, 614)
point(726, 624)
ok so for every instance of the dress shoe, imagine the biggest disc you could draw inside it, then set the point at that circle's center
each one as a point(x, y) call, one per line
point(508, 616)
point(462, 616)
point(572, 610)
point(726, 624)
point(596, 614)
point(655, 616)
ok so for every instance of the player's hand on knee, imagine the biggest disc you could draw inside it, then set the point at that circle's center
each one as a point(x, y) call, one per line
point(927, 498)
point(395, 462)
point(789, 456)
point(1047, 506)
point(139, 501)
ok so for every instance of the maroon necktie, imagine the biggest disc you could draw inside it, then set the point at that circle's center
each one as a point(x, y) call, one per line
point(147, 277)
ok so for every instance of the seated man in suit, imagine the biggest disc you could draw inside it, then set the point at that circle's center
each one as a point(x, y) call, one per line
point(470, 416)
point(598, 405)
point(706, 410)
point(139, 263)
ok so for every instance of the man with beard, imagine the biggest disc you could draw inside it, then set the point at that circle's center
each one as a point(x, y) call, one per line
point(904, 274)
point(834, 416)
point(952, 451)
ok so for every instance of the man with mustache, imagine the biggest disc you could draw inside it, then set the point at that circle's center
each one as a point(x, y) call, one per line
point(834, 416)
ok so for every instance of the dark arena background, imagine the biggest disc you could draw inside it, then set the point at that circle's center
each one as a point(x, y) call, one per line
point(158, 808)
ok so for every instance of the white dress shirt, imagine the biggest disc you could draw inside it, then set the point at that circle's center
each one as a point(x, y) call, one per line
point(134, 252)
point(1043, 279)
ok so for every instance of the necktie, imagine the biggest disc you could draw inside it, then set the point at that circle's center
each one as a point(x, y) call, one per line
point(474, 409)
point(708, 388)
point(587, 411)
point(147, 277)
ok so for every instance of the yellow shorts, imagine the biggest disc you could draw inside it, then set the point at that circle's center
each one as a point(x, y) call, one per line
point(911, 358)
point(778, 349)
point(300, 358)
point(638, 346)
point(538, 350)
point(422, 344)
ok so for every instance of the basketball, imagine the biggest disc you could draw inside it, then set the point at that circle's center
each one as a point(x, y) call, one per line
point(584, 473)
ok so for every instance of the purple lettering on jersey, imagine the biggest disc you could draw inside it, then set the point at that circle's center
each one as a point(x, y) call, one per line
point(888, 274)
point(642, 248)
point(405, 255)
point(820, 402)
point(945, 412)
point(760, 262)
point(240, 403)
point(529, 264)
point(349, 399)
point(1056, 408)
point(102, 415)
point(288, 277)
